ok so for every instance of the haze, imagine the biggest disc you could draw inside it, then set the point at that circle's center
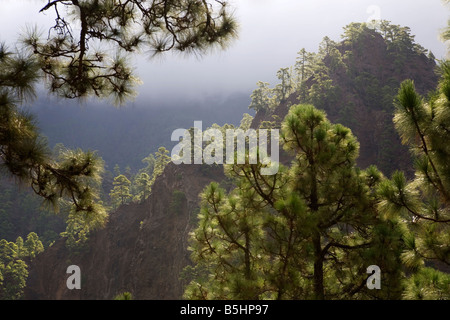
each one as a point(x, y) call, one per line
point(271, 33)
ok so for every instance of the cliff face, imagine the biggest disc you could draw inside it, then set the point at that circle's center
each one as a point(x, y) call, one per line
point(365, 78)
point(142, 249)
point(374, 74)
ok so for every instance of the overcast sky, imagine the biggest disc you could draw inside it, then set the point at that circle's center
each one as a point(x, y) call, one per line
point(271, 33)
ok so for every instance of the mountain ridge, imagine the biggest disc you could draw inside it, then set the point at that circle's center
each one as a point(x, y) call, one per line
point(147, 258)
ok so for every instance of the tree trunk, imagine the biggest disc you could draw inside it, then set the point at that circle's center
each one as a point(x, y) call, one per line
point(319, 293)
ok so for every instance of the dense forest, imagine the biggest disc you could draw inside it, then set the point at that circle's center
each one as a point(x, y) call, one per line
point(310, 231)
point(355, 81)
point(363, 178)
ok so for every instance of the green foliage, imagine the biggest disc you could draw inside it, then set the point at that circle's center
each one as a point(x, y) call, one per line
point(150, 164)
point(286, 86)
point(78, 227)
point(75, 69)
point(246, 122)
point(72, 175)
point(307, 232)
point(424, 202)
point(120, 194)
point(124, 296)
point(161, 161)
point(303, 68)
point(143, 187)
point(13, 265)
point(32, 246)
point(354, 32)
point(261, 97)
point(72, 68)
point(21, 211)
point(323, 93)
point(139, 186)
point(266, 99)
point(18, 73)
point(339, 80)
point(428, 284)
point(116, 170)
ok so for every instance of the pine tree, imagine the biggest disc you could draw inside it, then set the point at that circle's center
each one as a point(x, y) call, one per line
point(124, 296)
point(261, 97)
point(303, 69)
point(120, 194)
point(307, 232)
point(326, 47)
point(246, 122)
point(13, 265)
point(72, 175)
point(143, 186)
point(33, 245)
point(354, 33)
point(75, 69)
point(161, 160)
point(116, 170)
point(150, 164)
point(424, 125)
point(285, 87)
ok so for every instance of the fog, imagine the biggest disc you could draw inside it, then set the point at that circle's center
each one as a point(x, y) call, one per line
point(270, 35)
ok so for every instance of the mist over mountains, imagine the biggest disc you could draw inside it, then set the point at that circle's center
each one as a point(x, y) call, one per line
point(362, 124)
point(125, 135)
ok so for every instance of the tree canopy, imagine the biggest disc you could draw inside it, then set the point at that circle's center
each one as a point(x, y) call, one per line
point(74, 61)
point(308, 232)
point(75, 56)
point(311, 230)
point(424, 202)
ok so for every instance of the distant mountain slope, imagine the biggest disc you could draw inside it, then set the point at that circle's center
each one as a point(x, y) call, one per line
point(142, 250)
point(146, 258)
point(356, 80)
point(126, 135)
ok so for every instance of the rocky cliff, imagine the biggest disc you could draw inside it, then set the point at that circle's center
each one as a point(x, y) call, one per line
point(142, 249)
point(365, 77)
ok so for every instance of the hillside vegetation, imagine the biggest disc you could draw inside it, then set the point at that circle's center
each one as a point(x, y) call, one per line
point(311, 230)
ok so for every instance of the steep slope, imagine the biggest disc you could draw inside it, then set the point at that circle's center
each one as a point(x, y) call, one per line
point(126, 135)
point(355, 82)
point(142, 249)
point(374, 75)
point(144, 246)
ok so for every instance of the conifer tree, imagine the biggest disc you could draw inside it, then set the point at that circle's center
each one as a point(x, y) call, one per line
point(161, 160)
point(284, 88)
point(308, 232)
point(13, 265)
point(304, 69)
point(424, 202)
point(149, 161)
point(246, 122)
point(32, 245)
point(73, 66)
point(75, 69)
point(143, 186)
point(120, 194)
point(261, 97)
